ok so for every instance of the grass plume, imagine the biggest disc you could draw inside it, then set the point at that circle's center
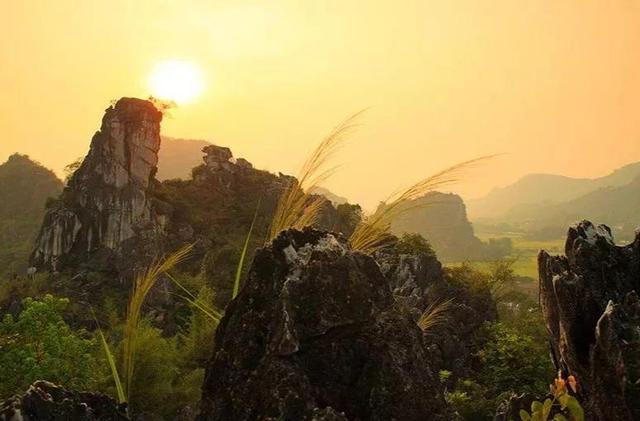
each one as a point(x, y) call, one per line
point(142, 286)
point(435, 315)
point(374, 232)
point(297, 207)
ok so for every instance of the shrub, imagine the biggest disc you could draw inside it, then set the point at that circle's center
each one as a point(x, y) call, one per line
point(39, 345)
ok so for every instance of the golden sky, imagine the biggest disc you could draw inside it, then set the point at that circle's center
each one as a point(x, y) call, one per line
point(553, 84)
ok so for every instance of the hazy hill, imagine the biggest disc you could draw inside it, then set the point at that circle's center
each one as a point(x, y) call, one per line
point(545, 189)
point(616, 206)
point(442, 219)
point(25, 186)
point(178, 156)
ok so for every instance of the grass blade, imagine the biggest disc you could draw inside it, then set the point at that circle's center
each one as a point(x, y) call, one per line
point(193, 300)
point(112, 363)
point(236, 283)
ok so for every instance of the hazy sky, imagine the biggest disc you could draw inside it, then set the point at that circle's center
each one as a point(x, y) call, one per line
point(554, 84)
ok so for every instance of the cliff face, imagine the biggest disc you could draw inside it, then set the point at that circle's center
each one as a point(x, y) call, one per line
point(442, 219)
point(591, 308)
point(106, 202)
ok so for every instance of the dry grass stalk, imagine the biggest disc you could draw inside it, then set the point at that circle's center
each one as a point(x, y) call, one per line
point(435, 315)
point(141, 288)
point(297, 207)
point(373, 232)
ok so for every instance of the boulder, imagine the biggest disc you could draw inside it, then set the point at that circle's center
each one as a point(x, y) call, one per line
point(46, 401)
point(315, 334)
point(591, 309)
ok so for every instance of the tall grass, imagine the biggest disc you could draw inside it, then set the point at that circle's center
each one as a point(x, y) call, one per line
point(112, 363)
point(141, 288)
point(210, 312)
point(298, 207)
point(245, 247)
point(373, 232)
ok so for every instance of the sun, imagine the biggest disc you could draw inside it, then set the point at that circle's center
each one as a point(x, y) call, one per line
point(176, 80)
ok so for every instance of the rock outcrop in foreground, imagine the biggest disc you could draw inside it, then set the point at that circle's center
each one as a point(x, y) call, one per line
point(105, 203)
point(418, 281)
point(316, 334)
point(46, 401)
point(591, 307)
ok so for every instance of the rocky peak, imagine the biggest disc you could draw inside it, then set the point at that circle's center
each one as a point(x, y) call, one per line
point(590, 304)
point(314, 334)
point(106, 200)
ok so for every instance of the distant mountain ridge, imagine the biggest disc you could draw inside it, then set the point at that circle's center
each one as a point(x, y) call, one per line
point(545, 189)
point(177, 157)
point(25, 186)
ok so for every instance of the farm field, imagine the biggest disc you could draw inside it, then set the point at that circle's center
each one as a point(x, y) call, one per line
point(526, 254)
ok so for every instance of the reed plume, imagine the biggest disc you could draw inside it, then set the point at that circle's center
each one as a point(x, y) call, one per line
point(142, 286)
point(373, 232)
point(297, 206)
point(435, 315)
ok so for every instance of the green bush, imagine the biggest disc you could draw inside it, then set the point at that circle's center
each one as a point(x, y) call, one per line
point(414, 244)
point(39, 345)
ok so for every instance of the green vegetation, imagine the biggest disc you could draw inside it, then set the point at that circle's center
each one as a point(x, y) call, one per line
point(414, 244)
point(513, 358)
point(39, 344)
point(562, 406)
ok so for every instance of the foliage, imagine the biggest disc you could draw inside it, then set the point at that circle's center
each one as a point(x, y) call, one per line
point(298, 207)
point(142, 286)
point(565, 406)
point(71, 168)
point(469, 399)
point(510, 356)
point(21, 287)
point(197, 342)
point(414, 244)
point(39, 345)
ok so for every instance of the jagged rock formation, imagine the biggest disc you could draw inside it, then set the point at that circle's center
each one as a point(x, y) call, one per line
point(315, 334)
point(113, 217)
point(419, 281)
point(46, 401)
point(590, 303)
point(106, 202)
point(442, 219)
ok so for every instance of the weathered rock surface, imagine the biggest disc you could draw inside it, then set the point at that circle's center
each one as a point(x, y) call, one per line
point(590, 303)
point(315, 334)
point(106, 202)
point(46, 401)
point(419, 281)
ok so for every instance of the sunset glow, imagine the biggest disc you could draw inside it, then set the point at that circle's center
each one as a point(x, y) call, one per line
point(175, 80)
